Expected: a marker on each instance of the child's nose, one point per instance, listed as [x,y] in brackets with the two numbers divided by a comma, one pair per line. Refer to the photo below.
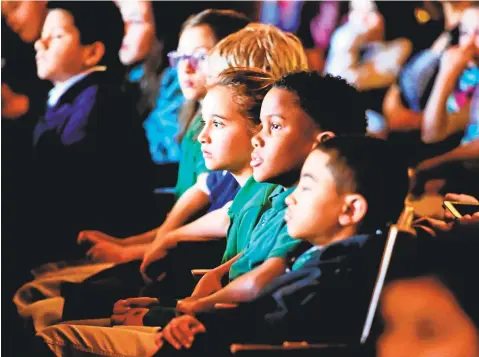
[203,136]
[290,200]
[39,45]
[257,140]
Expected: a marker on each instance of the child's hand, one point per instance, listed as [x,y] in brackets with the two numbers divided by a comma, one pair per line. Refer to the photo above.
[13,105]
[94,237]
[181,331]
[131,311]
[455,60]
[133,317]
[109,253]
[460,198]
[392,102]
[158,250]
[192,306]
[467,219]
[124,305]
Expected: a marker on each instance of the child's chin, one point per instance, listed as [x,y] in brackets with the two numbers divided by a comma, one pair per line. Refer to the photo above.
[260,176]
[291,231]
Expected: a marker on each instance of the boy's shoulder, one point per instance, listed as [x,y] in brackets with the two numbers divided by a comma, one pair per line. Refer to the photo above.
[252,194]
[95,87]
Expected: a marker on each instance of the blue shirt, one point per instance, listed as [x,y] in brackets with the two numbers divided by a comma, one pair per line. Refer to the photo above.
[223,188]
[162,125]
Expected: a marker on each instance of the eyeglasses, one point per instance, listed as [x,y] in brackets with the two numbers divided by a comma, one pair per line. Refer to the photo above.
[194,59]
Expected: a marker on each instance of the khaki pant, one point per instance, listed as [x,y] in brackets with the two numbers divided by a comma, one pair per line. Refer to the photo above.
[40,300]
[76,339]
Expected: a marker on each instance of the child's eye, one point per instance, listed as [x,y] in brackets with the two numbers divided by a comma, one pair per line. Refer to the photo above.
[218,124]
[275,126]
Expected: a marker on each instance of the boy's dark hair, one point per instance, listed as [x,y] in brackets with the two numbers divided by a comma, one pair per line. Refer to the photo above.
[221,22]
[369,166]
[330,101]
[97,21]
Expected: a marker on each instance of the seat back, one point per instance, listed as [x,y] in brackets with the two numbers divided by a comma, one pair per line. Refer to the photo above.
[403,225]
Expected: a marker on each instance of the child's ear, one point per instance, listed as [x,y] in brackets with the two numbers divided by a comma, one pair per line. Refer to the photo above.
[94,54]
[354,210]
[323,136]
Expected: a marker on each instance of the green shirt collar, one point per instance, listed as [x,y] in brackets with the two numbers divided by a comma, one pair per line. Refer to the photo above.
[244,196]
[278,197]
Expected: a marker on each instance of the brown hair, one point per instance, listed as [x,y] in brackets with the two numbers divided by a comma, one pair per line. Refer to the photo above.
[250,85]
[222,23]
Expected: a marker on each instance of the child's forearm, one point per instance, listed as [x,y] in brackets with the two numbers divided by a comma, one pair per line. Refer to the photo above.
[143,238]
[434,123]
[203,288]
[212,225]
[404,120]
[248,286]
[465,152]
[190,203]
[136,251]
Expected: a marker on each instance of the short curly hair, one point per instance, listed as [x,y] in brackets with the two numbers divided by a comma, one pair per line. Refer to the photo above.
[330,101]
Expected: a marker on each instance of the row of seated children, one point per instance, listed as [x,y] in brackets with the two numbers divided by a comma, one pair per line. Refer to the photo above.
[302,135]
[289,180]
[295,295]
[272,50]
[269,241]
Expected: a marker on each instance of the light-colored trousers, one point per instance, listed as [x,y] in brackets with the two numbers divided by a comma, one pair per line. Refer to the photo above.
[82,339]
[40,300]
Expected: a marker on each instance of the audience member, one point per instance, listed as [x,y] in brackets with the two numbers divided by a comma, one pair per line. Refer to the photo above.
[92,168]
[452,108]
[430,305]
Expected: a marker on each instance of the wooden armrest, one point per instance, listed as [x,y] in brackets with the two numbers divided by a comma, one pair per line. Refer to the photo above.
[199,272]
[286,346]
[223,306]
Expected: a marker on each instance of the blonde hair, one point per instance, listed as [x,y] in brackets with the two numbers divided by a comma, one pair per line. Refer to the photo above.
[260,46]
